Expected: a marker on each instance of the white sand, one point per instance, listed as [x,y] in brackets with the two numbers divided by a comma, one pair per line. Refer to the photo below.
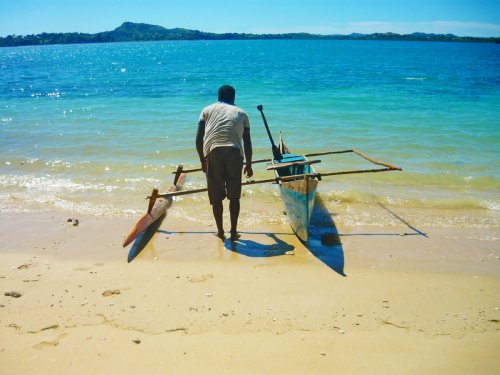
[406,305]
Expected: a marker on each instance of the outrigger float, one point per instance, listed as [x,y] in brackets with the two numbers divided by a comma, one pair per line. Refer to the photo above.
[294,174]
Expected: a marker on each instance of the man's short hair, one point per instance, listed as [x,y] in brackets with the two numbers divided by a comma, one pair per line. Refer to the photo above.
[227,93]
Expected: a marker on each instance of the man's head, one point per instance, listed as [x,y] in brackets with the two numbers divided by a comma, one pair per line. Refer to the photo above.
[227,94]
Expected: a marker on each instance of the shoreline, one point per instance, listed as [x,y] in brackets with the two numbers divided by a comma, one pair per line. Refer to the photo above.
[380,301]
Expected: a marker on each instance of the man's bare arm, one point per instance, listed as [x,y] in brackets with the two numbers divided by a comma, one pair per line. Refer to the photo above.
[247,146]
[199,144]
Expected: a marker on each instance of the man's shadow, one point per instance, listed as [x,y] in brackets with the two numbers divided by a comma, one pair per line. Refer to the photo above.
[324,241]
[257,250]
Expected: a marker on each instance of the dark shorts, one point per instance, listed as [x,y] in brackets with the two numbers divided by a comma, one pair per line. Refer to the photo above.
[224,169]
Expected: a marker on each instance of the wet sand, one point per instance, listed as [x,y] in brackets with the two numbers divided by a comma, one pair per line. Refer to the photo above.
[362,299]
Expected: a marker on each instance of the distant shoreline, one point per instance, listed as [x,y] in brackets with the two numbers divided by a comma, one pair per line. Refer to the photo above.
[140,32]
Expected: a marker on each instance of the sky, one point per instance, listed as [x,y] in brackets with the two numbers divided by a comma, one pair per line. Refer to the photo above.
[459,17]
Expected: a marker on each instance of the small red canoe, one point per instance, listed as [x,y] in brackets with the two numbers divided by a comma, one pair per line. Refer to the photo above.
[158,210]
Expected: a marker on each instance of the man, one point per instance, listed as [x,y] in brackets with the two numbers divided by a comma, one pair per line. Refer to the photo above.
[221,128]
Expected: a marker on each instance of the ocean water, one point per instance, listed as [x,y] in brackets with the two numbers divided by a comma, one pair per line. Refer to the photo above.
[92,128]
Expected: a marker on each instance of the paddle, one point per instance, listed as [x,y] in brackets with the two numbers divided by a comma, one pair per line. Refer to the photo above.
[276,152]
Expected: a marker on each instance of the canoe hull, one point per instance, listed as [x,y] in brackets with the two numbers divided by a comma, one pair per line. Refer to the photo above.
[298,193]
[298,200]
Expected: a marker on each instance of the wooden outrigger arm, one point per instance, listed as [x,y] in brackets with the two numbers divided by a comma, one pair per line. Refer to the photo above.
[388,168]
[292,163]
[359,153]
[185,192]
[178,173]
[152,200]
[285,178]
[154,194]
[199,169]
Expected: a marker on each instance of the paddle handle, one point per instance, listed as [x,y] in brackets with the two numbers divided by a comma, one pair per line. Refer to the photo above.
[261,110]
[276,153]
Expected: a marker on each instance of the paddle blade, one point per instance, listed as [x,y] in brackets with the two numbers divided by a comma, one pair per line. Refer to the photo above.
[276,153]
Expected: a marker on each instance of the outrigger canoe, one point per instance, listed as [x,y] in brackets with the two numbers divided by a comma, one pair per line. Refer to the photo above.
[295,176]
[298,181]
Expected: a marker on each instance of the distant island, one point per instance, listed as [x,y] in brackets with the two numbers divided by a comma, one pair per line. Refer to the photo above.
[141,32]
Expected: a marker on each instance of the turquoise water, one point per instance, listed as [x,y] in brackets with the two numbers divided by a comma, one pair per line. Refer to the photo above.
[91,128]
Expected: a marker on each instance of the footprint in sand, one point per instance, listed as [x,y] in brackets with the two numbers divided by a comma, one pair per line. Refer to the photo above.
[82,268]
[108,293]
[201,278]
[25,266]
[49,344]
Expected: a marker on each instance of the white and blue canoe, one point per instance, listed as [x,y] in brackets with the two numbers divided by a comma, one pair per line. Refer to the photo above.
[297,182]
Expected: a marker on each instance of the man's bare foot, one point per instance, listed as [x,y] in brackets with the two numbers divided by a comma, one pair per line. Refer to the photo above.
[220,235]
[235,236]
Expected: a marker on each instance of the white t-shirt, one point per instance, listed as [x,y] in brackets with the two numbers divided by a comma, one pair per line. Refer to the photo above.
[224,124]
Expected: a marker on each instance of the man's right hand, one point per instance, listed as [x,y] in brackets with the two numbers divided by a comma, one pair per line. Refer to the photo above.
[204,166]
[248,170]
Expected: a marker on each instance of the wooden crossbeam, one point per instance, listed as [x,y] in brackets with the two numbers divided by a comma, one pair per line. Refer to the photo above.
[284,179]
[353,150]
[292,163]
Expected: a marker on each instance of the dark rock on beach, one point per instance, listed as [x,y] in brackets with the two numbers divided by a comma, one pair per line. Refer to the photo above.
[13,294]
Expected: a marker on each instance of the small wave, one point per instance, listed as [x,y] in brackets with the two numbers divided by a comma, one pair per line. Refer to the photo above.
[51,184]
[415,78]
[490,205]
[438,202]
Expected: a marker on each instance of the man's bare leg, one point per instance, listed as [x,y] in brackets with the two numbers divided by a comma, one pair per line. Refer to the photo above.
[218,210]
[234,211]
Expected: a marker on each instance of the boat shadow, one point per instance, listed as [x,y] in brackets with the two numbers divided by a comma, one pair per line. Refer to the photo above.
[324,240]
[143,239]
[254,249]
[414,230]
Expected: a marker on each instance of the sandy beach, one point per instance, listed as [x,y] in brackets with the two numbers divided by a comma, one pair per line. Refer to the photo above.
[368,300]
